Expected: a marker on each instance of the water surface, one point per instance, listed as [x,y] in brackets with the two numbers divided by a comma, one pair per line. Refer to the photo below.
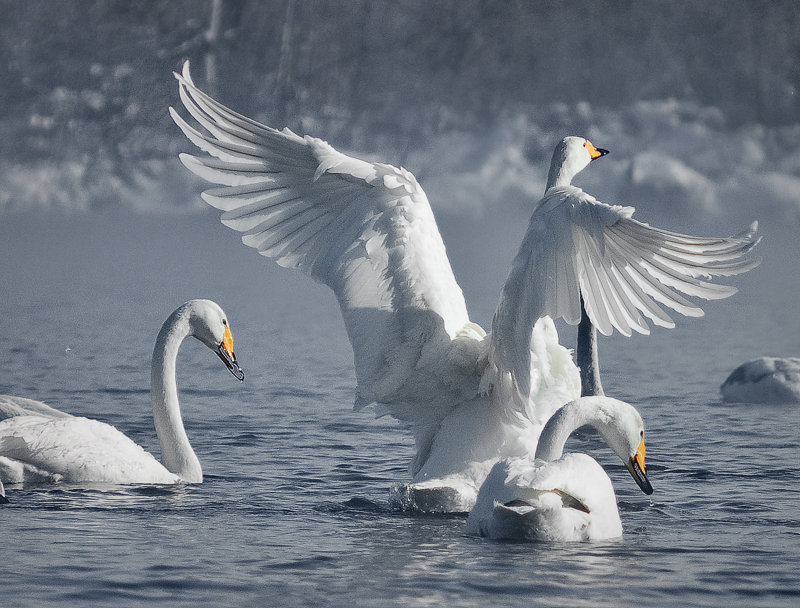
[294,508]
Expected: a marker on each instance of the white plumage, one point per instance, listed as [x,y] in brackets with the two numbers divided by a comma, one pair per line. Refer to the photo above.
[367,231]
[764,380]
[555,497]
[41,444]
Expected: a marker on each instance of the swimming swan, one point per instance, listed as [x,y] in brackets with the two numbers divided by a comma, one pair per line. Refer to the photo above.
[367,231]
[563,497]
[764,380]
[49,445]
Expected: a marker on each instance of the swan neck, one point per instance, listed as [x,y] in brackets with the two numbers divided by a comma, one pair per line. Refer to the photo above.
[558,176]
[587,358]
[177,454]
[568,419]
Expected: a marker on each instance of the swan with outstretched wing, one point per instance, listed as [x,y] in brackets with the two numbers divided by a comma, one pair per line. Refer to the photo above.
[367,231]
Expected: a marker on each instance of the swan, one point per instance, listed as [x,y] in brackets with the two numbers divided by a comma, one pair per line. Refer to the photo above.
[563,497]
[764,380]
[11,405]
[45,444]
[367,231]
[3,499]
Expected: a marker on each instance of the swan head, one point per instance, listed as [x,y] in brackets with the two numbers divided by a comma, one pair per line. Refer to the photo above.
[571,156]
[208,323]
[623,431]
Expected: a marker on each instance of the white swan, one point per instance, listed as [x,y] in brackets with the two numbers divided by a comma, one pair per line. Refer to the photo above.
[11,405]
[764,380]
[563,497]
[368,232]
[44,444]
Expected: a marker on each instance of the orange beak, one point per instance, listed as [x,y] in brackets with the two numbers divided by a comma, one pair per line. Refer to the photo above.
[640,456]
[225,352]
[227,341]
[594,152]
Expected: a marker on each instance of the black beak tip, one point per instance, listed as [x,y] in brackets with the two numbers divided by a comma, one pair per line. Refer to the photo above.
[640,477]
[603,151]
[231,364]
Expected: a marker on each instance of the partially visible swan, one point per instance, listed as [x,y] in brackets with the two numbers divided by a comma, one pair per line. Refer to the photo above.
[3,499]
[44,444]
[11,405]
[563,497]
[764,380]
[367,231]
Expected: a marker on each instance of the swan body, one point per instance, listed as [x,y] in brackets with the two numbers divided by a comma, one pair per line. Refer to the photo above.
[42,444]
[11,405]
[764,380]
[367,231]
[562,497]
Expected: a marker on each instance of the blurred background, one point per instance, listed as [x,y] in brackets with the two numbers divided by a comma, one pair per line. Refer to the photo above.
[698,101]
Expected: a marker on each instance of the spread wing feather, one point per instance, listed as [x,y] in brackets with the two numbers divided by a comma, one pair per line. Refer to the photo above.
[624,270]
[364,229]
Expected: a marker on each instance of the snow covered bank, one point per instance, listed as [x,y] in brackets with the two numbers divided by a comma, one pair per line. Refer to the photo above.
[670,159]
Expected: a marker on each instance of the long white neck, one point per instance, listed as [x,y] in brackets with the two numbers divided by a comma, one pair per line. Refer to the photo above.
[177,454]
[575,414]
[562,170]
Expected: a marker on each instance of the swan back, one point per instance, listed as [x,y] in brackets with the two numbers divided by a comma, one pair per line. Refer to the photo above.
[565,500]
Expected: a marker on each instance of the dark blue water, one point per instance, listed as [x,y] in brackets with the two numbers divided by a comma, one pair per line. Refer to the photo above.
[294,508]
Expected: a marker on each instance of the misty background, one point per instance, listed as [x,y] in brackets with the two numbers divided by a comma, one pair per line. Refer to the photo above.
[697,101]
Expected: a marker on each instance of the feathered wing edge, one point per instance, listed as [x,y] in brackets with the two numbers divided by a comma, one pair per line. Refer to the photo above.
[641,269]
[626,271]
[364,229]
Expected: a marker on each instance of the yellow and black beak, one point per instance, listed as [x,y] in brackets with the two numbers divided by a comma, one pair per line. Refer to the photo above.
[635,467]
[225,352]
[595,153]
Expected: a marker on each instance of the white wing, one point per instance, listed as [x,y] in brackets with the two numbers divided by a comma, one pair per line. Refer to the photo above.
[364,229]
[624,270]
[11,406]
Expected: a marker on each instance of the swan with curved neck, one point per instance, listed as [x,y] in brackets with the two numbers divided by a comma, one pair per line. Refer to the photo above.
[43,444]
[367,231]
[558,496]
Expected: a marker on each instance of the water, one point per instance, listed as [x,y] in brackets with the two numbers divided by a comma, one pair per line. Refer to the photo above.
[294,508]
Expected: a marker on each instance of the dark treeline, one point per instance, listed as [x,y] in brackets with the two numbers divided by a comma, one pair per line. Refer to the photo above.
[81,75]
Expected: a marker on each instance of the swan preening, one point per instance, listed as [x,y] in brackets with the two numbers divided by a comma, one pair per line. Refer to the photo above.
[367,231]
[39,443]
[764,380]
[557,496]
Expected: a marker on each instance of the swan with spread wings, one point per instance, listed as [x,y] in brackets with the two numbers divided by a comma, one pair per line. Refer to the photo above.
[367,231]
